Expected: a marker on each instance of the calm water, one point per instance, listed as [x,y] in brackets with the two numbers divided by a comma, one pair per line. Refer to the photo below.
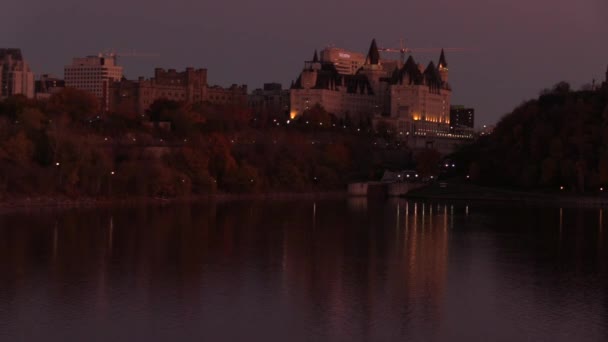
[339,270]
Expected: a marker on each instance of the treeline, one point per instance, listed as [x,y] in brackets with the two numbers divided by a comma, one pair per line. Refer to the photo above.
[63,146]
[558,140]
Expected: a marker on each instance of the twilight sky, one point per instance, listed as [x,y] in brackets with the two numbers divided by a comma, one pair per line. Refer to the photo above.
[521,46]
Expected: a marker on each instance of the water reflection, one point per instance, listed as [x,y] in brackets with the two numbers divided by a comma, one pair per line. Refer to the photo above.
[298,270]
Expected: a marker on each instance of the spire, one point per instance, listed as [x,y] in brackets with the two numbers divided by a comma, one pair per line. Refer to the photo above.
[315,58]
[373,56]
[442,62]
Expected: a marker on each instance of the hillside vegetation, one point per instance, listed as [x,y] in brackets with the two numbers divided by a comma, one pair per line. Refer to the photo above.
[558,140]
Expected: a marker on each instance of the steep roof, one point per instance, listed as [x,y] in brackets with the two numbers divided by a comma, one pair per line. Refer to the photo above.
[432,77]
[14,53]
[442,61]
[373,56]
[409,69]
[315,57]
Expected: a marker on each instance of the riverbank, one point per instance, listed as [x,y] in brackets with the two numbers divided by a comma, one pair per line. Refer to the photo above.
[469,192]
[43,202]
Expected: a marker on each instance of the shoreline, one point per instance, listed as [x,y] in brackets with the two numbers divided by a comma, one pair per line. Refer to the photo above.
[467,192]
[54,203]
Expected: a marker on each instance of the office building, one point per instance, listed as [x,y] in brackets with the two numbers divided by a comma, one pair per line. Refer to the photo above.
[16,77]
[94,74]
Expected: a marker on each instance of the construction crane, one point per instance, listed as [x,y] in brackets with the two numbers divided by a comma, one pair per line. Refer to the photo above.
[114,55]
[403,50]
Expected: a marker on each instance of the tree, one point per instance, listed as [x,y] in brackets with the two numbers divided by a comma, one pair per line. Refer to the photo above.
[427,162]
[76,104]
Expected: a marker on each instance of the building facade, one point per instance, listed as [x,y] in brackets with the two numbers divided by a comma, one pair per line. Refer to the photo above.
[416,100]
[94,74]
[16,77]
[48,85]
[346,62]
[460,116]
[189,86]
[272,99]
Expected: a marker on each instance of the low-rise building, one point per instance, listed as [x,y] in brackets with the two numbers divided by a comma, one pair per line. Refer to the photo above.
[48,85]
[272,99]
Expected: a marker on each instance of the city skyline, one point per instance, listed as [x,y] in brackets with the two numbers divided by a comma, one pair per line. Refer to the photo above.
[252,44]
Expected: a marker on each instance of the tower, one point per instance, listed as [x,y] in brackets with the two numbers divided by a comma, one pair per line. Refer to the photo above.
[443,67]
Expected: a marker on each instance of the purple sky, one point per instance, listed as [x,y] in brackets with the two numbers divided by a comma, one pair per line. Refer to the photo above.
[522,46]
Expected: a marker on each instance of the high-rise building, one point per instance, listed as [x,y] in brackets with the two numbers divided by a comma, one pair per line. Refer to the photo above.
[94,74]
[346,62]
[16,77]
[460,116]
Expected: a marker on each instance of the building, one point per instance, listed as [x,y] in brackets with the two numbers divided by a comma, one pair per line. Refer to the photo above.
[272,99]
[346,62]
[234,95]
[16,77]
[460,116]
[415,99]
[189,86]
[48,85]
[94,74]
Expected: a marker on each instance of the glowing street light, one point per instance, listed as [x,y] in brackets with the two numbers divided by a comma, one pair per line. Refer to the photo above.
[561,187]
[57,164]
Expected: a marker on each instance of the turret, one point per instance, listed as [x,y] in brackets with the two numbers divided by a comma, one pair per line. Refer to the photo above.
[443,67]
[373,56]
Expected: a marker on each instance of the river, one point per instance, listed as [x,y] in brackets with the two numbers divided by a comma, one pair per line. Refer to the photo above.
[305,270]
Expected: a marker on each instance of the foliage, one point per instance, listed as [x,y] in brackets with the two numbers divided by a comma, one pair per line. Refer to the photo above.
[559,139]
[66,147]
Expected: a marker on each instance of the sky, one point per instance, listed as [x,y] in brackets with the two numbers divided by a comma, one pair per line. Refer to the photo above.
[517,48]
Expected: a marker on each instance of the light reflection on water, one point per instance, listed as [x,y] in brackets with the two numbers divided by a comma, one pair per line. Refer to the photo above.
[329,270]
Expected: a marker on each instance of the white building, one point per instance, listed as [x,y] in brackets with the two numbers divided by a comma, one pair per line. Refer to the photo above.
[16,77]
[346,62]
[94,74]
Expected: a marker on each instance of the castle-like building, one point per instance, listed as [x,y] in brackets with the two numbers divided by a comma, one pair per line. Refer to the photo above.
[415,99]
[189,86]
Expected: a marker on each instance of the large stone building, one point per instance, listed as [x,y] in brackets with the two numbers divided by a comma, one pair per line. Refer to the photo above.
[94,74]
[415,99]
[189,86]
[16,77]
